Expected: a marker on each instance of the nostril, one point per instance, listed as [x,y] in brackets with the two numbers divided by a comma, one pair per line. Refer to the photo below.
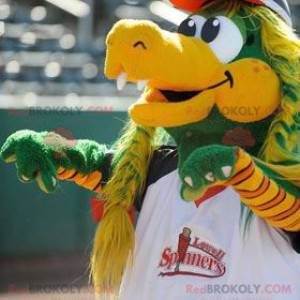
[140,44]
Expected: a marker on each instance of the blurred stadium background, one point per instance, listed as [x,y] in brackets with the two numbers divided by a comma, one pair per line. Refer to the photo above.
[51,69]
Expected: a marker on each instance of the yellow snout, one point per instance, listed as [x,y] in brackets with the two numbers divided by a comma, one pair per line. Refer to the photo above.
[145,52]
[184,77]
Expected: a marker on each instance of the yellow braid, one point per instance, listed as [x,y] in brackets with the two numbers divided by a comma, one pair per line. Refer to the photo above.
[114,239]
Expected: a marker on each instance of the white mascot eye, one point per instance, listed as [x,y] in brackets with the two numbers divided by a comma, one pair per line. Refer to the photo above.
[223,37]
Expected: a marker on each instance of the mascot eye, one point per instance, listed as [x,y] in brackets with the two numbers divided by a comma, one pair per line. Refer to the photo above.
[191,26]
[210,30]
[223,37]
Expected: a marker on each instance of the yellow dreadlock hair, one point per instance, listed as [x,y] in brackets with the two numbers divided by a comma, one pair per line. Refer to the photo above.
[114,239]
[281,151]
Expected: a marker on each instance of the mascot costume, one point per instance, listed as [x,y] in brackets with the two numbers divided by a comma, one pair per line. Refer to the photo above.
[222,206]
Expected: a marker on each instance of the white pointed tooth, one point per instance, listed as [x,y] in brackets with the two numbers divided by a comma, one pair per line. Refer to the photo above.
[25,178]
[210,177]
[54,181]
[227,170]
[141,84]
[189,181]
[122,81]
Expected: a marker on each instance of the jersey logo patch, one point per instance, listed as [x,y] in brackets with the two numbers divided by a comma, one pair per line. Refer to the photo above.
[194,257]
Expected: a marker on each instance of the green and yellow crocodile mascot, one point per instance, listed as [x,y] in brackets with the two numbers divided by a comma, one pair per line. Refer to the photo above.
[226,88]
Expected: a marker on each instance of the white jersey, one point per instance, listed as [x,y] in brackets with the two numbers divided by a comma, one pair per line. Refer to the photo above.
[185,252]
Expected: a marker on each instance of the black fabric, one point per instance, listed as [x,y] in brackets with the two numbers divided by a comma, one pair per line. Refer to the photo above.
[105,167]
[295,240]
[163,162]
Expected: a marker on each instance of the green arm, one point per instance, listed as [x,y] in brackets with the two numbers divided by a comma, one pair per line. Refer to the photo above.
[40,155]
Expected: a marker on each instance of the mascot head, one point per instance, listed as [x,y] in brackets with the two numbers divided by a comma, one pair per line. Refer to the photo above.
[231,64]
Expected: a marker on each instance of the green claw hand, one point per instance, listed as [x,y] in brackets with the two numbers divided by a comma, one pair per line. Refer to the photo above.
[39,155]
[32,156]
[204,167]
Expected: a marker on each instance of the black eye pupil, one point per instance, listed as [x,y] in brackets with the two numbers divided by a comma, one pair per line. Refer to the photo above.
[188,27]
[210,30]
